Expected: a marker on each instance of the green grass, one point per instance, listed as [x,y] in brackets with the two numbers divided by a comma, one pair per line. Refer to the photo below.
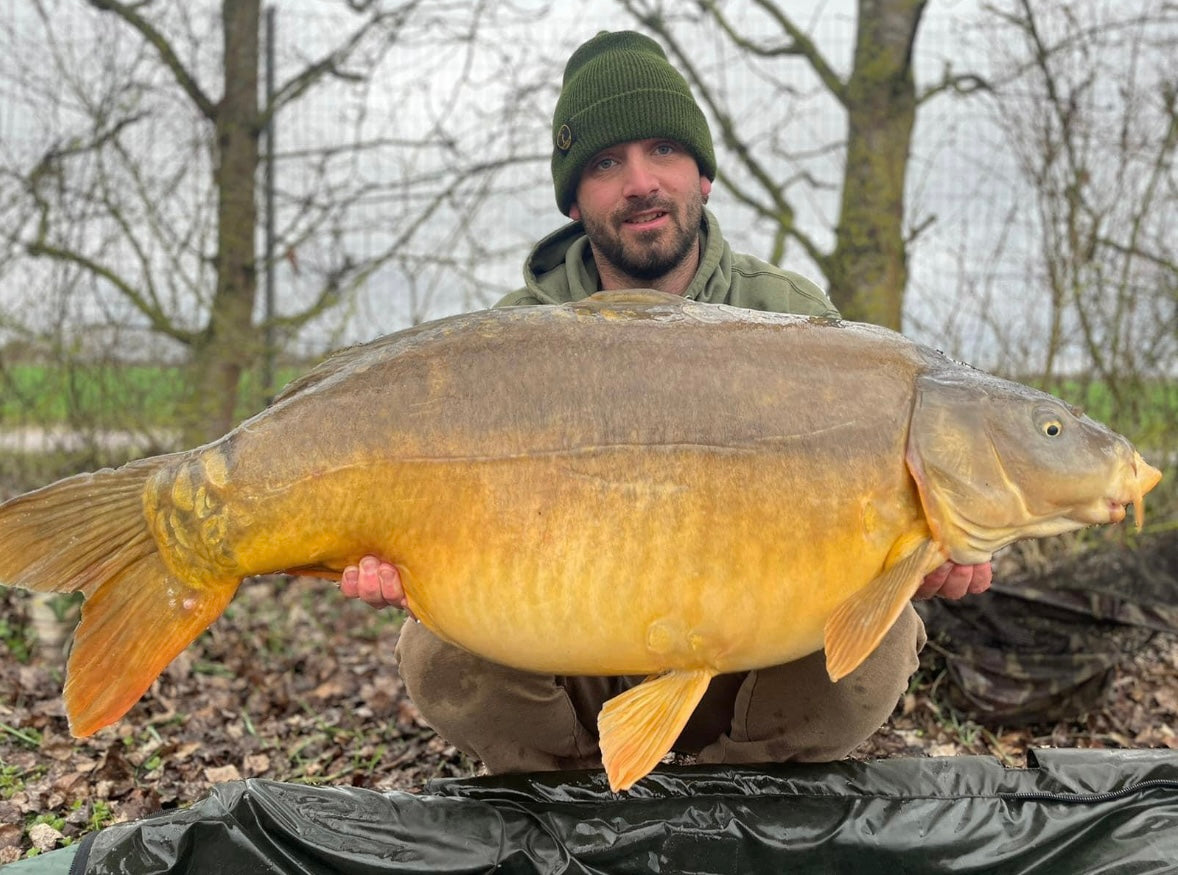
[49,395]
[17,639]
[1146,411]
[105,395]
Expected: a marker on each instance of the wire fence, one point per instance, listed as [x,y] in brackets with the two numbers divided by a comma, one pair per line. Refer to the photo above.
[426,156]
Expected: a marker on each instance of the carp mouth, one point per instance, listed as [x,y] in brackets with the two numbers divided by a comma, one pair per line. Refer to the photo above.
[1140,478]
[1117,513]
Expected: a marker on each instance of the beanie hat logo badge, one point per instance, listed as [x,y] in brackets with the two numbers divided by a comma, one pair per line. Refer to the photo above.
[564,138]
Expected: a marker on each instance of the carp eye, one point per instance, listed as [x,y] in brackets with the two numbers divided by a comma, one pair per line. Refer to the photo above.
[1049,419]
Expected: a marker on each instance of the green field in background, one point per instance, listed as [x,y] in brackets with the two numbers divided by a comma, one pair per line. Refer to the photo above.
[115,396]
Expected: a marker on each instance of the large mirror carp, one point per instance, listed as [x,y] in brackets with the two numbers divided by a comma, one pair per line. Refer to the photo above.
[629,484]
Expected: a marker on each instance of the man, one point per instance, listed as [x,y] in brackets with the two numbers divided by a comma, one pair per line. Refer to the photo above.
[633,165]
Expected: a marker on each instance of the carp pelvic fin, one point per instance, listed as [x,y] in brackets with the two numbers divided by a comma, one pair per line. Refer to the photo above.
[638,727]
[858,625]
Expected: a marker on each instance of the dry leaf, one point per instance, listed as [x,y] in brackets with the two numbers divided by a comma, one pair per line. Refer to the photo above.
[44,837]
[221,774]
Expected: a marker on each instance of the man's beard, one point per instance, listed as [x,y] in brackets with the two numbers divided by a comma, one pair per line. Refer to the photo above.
[647,259]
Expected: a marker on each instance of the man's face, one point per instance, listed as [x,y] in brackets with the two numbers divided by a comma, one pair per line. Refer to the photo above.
[641,203]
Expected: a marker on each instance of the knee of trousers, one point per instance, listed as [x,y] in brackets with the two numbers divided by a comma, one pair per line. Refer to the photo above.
[448,685]
[512,720]
[856,706]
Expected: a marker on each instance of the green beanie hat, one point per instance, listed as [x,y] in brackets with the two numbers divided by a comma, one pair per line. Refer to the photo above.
[620,87]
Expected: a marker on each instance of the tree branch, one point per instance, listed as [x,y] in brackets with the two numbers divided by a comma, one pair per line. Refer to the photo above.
[799,45]
[157,40]
[963,84]
[332,63]
[158,320]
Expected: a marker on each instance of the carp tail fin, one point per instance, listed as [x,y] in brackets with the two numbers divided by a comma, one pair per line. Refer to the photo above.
[858,625]
[638,727]
[88,534]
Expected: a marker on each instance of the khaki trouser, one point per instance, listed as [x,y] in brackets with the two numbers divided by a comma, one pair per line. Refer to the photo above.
[519,722]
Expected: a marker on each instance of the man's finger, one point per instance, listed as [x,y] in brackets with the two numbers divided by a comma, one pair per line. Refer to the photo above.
[933,581]
[347,581]
[983,576]
[368,587]
[957,582]
[391,589]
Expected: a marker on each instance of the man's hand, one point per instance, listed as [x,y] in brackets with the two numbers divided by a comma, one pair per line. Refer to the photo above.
[374,582]
[953,581]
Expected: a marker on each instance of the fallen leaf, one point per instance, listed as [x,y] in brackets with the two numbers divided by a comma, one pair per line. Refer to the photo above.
[10,835]
[221,774]
[44,837]
[1167,699]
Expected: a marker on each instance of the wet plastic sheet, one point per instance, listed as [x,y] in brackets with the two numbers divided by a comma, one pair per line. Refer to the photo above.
[1073,812]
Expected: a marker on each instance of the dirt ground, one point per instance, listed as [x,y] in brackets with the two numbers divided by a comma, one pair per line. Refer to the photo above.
[295,683]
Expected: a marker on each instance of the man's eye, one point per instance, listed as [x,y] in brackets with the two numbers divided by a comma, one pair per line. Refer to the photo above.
[604,163]
[664,149]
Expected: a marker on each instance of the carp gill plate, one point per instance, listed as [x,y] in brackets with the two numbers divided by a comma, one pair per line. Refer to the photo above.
[629,484]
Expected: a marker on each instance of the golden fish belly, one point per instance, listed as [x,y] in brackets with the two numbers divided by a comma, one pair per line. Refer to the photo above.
[632,560]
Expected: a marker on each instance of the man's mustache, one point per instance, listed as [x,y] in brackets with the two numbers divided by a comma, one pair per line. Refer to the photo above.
[637,208]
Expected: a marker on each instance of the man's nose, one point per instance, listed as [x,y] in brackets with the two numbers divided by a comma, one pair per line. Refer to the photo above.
[639,179]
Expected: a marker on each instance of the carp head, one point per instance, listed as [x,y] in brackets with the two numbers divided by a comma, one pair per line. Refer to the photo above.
[996,462]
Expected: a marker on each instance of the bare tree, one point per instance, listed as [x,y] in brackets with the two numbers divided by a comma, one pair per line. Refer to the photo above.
[1089,106]
[865,262]
[146,182]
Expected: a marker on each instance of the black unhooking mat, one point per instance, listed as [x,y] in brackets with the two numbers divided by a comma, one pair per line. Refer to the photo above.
[1070,812]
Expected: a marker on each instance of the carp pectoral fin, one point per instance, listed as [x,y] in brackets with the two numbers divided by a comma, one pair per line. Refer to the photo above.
[638,727]
[858,625]
[131,628]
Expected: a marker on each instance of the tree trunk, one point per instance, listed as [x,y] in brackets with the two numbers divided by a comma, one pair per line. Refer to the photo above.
[868,268]
[229,345]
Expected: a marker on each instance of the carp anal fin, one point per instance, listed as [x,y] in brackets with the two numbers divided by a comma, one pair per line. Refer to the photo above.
[131,628]
[638,727]
[858,625]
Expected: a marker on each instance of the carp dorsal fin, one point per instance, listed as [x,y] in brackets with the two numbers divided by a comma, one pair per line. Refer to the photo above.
[637,728]
[333,364]
[615,297]
[858,625]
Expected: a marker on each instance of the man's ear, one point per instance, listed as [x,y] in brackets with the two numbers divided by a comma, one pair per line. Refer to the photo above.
[705,186]
[574,212]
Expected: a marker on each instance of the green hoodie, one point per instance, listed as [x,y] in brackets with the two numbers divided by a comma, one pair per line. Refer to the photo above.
[561,269]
